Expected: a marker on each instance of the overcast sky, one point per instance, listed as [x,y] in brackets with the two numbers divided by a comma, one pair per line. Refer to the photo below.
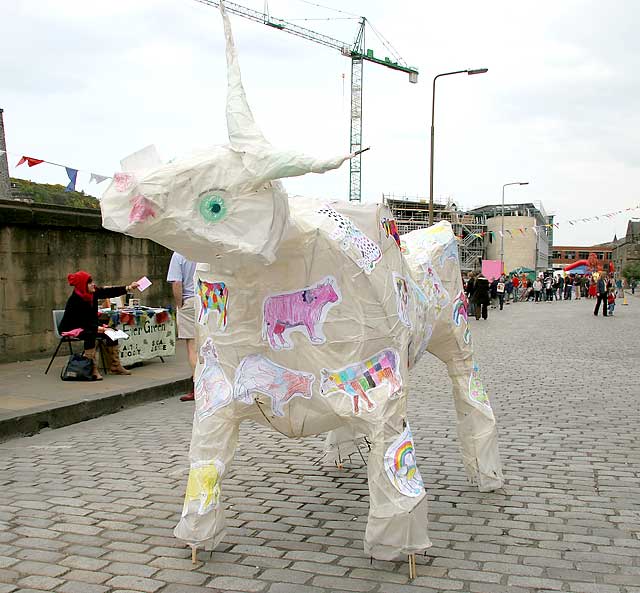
[84,83]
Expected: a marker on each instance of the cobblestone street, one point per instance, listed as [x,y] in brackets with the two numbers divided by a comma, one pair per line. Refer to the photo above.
[90,508]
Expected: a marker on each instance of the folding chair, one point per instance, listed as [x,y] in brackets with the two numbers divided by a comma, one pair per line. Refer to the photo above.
[57,318]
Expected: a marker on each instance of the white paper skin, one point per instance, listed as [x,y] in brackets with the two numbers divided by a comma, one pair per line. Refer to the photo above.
[226,209]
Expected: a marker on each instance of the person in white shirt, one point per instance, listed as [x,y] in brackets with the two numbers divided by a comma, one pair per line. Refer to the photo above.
[181,275]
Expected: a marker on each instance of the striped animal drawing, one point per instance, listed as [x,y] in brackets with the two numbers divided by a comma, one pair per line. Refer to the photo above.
[258,374]
[214,296]
[356,379]
[302,310]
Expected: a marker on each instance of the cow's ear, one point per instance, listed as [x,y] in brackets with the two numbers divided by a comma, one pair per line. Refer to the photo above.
[324,373]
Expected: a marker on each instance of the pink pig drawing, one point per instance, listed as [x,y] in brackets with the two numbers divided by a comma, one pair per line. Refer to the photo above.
[302,310]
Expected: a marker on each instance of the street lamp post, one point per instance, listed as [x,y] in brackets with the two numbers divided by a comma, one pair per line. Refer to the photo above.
[433,109]
[502,221]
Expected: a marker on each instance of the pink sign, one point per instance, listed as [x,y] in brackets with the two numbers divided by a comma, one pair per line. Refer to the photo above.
[491,268]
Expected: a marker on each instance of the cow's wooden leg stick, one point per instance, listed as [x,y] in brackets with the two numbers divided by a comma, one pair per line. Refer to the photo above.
[412,566]
[194,554]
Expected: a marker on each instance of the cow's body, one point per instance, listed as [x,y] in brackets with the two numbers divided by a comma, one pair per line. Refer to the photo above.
[308,285]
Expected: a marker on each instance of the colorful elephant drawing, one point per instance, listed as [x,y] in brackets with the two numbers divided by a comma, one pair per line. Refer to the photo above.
[214,296]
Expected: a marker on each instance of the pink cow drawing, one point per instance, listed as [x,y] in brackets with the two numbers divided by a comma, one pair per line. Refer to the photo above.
[257,373]
[301,310]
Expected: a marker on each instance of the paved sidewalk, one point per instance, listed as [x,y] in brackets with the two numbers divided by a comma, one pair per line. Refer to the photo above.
[31,400]
[90,508]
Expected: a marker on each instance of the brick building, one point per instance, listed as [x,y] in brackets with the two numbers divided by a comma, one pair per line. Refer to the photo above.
[563,255]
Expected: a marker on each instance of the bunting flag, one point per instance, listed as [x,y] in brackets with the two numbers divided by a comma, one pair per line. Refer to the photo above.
[73,174]
[30,161]
[98,178]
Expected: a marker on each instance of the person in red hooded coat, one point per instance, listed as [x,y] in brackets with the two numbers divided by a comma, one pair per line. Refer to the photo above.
[81,312]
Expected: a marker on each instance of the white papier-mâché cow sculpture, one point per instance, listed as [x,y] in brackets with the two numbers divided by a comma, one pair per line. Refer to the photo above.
[309,318]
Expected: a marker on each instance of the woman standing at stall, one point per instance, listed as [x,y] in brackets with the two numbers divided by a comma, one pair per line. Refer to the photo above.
[81,312]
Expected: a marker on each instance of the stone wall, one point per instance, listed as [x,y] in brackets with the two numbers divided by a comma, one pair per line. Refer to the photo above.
[39,245]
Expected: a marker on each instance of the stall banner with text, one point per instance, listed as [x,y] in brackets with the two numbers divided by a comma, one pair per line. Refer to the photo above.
[148,340]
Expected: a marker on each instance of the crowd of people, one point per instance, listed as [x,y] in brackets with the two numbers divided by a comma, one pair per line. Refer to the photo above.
[494,293]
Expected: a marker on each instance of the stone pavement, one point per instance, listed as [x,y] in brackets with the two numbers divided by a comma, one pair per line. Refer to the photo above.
[90,508]
[31,400]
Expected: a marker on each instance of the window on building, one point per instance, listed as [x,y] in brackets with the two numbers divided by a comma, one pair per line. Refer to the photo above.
[556,254]
[570,255]
[607,255]
[583,255]
[600,255]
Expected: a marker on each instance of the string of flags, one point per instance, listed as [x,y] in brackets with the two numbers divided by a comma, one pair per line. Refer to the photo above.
[72,173]
[522,231]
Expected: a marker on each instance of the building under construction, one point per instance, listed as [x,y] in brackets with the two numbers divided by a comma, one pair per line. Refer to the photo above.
[412,213]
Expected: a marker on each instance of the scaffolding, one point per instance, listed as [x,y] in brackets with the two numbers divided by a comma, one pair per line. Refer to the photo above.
[412,213]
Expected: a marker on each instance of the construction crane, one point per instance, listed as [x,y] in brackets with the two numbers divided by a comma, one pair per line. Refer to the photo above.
[358,54]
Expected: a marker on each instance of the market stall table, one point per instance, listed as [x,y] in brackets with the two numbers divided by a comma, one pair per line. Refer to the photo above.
[151,331]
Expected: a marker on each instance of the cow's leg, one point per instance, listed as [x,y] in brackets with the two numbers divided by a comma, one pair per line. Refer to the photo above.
[477,432]
[202,524]
[363,394]
[279,332]
[270,336]
[369,403]
[397,523]
[277,405]
[355,400]
[311,330]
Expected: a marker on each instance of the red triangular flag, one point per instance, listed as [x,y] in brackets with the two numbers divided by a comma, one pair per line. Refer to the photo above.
[31,162]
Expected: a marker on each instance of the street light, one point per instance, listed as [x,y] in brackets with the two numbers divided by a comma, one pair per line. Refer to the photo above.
[433,107]
[502,222]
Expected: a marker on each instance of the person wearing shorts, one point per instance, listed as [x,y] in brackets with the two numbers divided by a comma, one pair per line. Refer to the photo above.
[181,275]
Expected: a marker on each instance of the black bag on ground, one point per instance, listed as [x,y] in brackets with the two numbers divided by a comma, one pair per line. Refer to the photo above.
[78,368]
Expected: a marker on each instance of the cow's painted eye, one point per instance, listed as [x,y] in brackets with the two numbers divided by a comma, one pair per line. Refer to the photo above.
[212,207]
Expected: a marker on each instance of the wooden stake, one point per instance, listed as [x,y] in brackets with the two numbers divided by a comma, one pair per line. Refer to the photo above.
[194,554]
[412,566]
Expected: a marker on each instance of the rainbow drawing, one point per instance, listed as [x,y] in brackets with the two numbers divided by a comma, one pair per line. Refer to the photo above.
[400,465]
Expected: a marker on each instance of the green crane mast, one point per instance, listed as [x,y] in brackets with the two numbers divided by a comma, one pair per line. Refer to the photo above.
[358,54]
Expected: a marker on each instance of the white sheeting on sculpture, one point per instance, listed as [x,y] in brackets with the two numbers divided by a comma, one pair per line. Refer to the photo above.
[317,339]
[433,303]
[432,255]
